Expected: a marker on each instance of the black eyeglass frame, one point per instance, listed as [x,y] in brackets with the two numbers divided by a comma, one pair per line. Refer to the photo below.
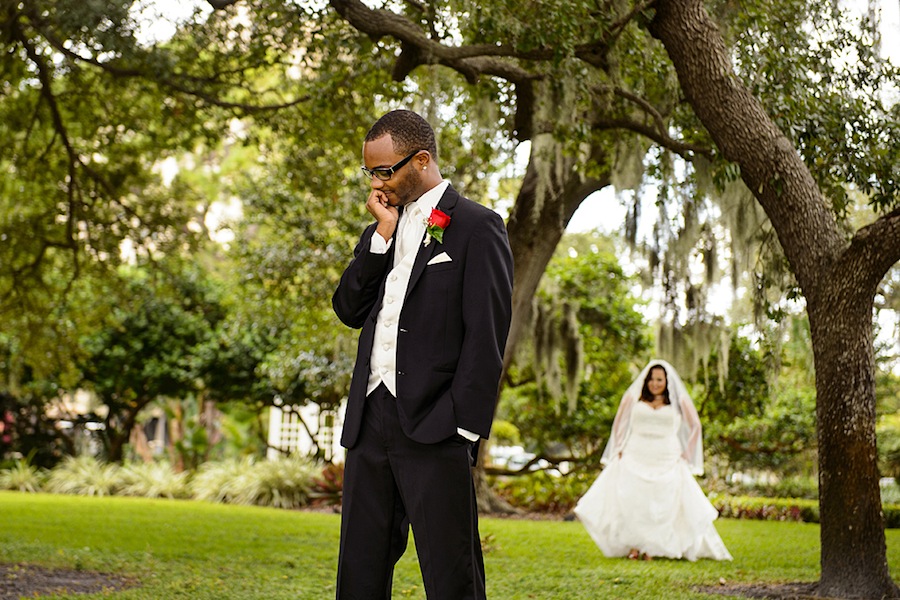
[385,173]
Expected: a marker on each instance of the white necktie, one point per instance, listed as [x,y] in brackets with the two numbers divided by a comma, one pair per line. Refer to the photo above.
[406,231]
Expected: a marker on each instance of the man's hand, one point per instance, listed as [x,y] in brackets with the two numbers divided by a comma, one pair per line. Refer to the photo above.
[386,215]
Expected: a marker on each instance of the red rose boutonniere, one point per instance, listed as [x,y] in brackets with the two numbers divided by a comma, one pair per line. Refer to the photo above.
[435,226]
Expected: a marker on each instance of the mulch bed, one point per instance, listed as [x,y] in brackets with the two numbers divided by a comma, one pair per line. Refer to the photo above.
[771,591]
[32,581]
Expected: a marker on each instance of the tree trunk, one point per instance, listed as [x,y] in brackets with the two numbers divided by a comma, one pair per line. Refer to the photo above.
[838,280]
[854,560]
[116,438]
[489,502]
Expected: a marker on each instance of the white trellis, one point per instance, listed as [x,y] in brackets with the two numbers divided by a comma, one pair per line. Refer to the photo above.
[299,429]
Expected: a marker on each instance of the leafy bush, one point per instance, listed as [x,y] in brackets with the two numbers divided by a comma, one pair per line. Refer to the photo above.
[891,516]
[888,437]
[890,492]
[767,509]
[84,476]
[504,433]
[542,492]
[328,487]
[22,477]
[153,480]
[787,487]
[786,509]
[217,481]
[283,483]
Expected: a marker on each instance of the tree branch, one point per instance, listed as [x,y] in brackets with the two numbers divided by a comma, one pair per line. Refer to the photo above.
[619,26]
[221,4]
[417,49]
[683,149]
[168,82]
[60,128]
[876,247]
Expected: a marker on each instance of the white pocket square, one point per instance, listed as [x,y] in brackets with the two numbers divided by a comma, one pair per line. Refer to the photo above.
[440,258]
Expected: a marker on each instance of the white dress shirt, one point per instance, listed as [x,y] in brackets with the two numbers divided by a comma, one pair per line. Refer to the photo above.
[410,238]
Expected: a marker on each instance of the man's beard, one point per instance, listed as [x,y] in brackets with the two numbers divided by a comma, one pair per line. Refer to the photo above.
[409,190]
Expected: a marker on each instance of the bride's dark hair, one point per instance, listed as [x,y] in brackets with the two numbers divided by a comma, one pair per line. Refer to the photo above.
[646,396]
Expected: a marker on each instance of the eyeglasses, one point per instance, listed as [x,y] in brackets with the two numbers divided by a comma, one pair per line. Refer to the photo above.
[384,173]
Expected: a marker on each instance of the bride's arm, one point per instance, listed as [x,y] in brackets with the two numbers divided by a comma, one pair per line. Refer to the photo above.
[693,449]
[622,424]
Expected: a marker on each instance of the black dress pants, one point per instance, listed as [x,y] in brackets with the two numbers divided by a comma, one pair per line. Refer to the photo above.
[392,483]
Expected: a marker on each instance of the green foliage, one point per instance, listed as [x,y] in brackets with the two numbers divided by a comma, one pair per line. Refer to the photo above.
[282,483]
[27,428]
[762,416]
[779,439]
[829,94]
[542,492]
[152,480]
[217,482]
[285,483]
[504,433]
[745,389]
[288,483]
[888,438]
[612,338]
[786,487]
[767,509]
[84,476]
[22,477]
[150,347]
[786,509]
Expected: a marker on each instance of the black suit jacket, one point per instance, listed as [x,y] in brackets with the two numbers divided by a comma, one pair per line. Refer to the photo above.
[452,328]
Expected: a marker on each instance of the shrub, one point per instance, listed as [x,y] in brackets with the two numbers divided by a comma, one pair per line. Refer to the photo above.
[767,509]
[542,492]
[84,476]
[153,480]
[22,477]
[285,483]
[890,492]
[328,487]
[217,481]
[891,516]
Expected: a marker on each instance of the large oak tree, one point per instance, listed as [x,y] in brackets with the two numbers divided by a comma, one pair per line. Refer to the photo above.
[588,84]
[838,275]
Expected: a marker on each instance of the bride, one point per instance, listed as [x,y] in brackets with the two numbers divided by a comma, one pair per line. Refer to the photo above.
[646,502]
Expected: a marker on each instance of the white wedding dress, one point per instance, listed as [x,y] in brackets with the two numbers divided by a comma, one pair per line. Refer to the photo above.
[648,499]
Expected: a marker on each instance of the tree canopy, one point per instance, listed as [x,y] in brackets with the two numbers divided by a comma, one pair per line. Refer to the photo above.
[764,148]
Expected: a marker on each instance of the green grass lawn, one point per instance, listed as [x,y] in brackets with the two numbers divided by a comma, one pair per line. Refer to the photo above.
[183,549]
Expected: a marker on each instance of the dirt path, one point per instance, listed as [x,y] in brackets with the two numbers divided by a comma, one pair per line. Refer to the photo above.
[32,581]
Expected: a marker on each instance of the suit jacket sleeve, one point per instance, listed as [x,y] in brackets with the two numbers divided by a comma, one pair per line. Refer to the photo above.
[358,290]
[486,310]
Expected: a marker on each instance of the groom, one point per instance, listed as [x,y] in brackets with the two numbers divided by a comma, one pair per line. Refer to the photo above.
[430,284]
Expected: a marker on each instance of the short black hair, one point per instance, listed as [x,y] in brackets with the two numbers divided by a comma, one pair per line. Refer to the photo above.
[409,132]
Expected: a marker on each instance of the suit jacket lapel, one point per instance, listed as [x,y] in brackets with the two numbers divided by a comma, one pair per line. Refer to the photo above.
[447,203]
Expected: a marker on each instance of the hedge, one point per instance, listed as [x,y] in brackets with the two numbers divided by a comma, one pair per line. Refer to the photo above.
[785,509]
